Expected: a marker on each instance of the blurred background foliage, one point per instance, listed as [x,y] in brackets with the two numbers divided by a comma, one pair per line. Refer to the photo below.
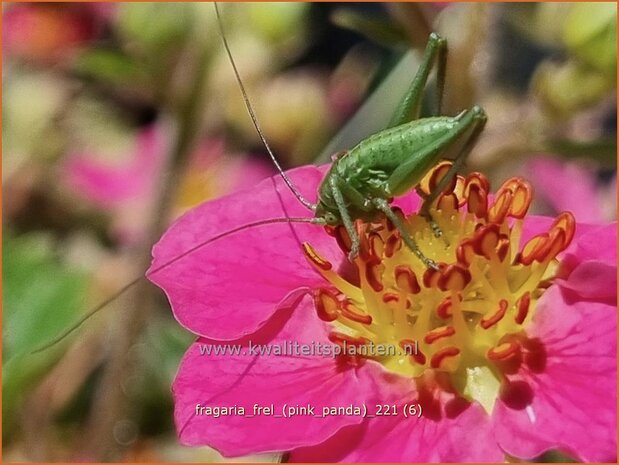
[117,118]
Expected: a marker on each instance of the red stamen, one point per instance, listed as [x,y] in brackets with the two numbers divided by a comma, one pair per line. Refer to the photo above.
[393,244]
[374,274]
[341,338]
[343,239]
[447,352]
[431,277]
[326,304]
[376,245]
[439,333]
[486,240]
[454,278]
[314,258]
[504,351]
[501,207]
[522,304]
[465,252]
[536,248]
[406,280]
[412,348]
[353,313]
[489,321]
[448,202]
[444,308]
[477,201]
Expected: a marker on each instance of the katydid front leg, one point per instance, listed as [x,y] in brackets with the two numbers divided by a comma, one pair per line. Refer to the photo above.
[383,205]
[346,218]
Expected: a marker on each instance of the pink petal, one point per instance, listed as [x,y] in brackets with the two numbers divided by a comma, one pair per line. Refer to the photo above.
[566,186]
[460,433]
[245,380]
[589,267]
[566,397]
[231,287]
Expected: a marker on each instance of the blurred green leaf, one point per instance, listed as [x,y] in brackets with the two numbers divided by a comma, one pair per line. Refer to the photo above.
[107,65]
[376,112]
[40,299]
[590,32]
[603,150]
[155,25]
[378,30]
[277,21]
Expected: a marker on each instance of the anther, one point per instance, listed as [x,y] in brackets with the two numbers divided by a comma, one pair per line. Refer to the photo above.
[444,308]
[447,202]
[465,252]
[503,351]
[441,355]
[439,333]
[486,240]
[477,201]
[326,304]
[438,174]
[376,245]
[406,280]
[431,277]
[522,305]
[476,179]
[567,223]
[454,278]
[343,239]
[412,348]
[535,249]
[373,274]
[501,207]
[488,321]
[314,258]
[522,194]
[393,244]
[430,181]
[353,313]
[344,339]
[393,298]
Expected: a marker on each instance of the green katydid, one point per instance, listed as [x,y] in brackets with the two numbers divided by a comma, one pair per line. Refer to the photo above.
[362,181]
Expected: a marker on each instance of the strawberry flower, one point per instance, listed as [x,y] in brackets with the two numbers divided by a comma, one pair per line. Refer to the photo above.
[514,335]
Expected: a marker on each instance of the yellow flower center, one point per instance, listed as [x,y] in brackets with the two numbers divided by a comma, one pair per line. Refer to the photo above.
[465,319]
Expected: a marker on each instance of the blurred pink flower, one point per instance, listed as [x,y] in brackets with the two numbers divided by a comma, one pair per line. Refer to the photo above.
[128,188]
[531,367]
[50,32]
[110,185]
[572,186]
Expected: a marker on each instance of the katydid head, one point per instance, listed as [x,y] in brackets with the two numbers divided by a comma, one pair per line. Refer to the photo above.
[327,215]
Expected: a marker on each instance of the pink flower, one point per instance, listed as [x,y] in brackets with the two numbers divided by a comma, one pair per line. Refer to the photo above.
[572,186]
[510,360]
[128,188]
[110,185]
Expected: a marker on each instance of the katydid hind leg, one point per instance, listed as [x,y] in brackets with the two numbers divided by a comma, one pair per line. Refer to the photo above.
[477,126]
[411,171]
[410,107]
